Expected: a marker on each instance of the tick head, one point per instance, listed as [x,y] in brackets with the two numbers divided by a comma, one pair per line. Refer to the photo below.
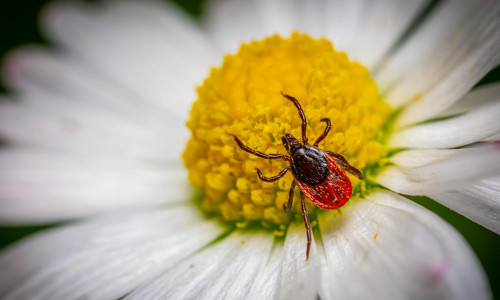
[293,143]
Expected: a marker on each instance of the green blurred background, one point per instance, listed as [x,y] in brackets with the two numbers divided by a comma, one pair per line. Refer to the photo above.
[19,25]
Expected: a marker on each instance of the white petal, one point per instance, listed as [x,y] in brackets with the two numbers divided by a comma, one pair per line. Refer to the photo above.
[452,50]
[479,202]
[478,97]
[79,129]
[232,22]
[442,171]
[352,26]
[224,270]
[419,158]
[379,24]
[38,187]
[493,138]
[265,286]
[46,78]
[474,126]
[390,248]
[103,258]
[149,48]
[298,278]
[454,86]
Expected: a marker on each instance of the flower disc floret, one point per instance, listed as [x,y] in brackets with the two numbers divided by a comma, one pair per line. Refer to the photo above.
[243,97]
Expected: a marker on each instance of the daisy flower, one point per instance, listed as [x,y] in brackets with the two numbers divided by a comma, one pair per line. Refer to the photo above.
[149,208]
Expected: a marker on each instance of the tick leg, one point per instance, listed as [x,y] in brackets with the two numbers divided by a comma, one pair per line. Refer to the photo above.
[274,178]
[290,197]
[337,156]
[301,114]
[306,222]
[260,154]
[343,162]
[285,144]
[325,133]
[350,169]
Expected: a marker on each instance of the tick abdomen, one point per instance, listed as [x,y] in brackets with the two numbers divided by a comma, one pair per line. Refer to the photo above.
[309,165]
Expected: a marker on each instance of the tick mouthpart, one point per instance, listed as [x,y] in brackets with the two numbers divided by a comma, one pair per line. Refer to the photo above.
[292,143]
[294,148]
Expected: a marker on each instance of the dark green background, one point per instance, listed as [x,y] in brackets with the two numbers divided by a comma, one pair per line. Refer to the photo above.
[18,25]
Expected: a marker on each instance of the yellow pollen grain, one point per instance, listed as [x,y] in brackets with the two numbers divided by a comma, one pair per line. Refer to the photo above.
[243,97]
[416,97]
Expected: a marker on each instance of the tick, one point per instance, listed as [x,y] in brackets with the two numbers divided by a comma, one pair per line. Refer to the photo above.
[319,174]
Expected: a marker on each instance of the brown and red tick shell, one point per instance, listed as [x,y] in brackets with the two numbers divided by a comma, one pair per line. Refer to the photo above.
[333,192]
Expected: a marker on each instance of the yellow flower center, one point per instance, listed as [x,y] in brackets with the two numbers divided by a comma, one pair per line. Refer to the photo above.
[243,97]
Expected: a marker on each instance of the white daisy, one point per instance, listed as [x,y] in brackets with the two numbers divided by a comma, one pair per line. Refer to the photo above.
[96,129]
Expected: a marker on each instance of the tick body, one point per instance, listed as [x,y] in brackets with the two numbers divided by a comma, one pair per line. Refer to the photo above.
[310,166]
[319,174]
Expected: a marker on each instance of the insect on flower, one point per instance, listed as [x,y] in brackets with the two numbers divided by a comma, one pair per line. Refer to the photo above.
[319,174]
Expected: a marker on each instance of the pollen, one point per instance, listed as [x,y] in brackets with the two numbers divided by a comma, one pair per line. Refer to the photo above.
[243,98]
